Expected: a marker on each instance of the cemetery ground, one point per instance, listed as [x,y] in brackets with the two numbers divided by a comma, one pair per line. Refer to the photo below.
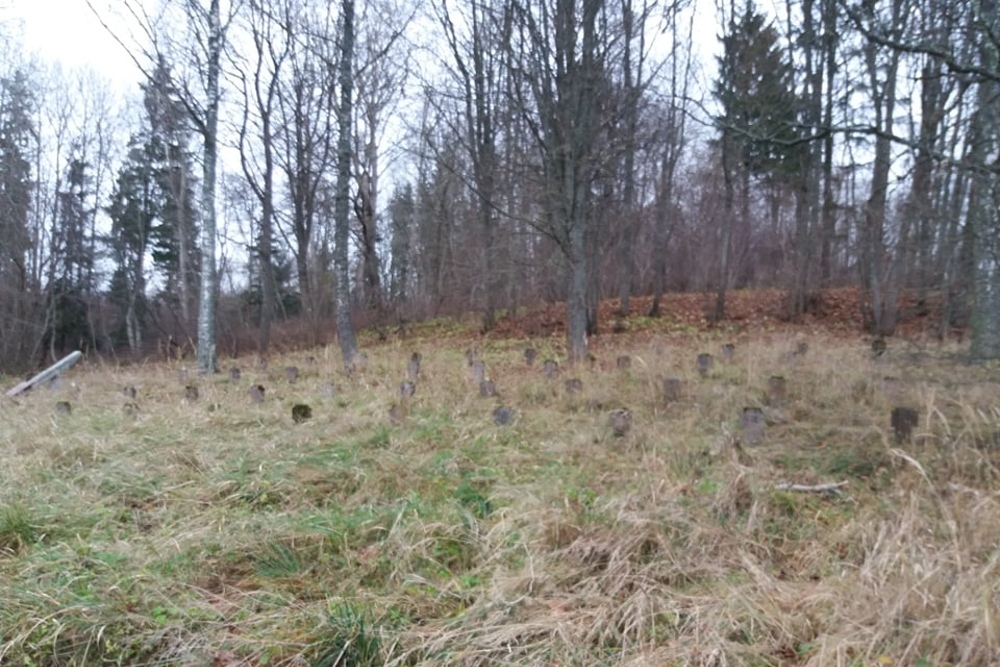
[770,509]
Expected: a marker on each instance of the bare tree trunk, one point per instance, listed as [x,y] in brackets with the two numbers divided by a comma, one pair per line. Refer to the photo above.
[480,84]
[878,266]
[207,359]
[184,269]
[631,101]
[268,285]
[726,225]
[807,193]
[576,303]
[262,94]
[664,226]
[920,206]
[828,223]
[559,50]
[674,145]
[345,325]
[984,204]
[364,209]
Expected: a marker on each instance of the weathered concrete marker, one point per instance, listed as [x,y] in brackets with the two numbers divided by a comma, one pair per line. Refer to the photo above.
[52,371]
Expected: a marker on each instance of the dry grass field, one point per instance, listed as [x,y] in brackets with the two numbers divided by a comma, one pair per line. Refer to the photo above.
[171,530]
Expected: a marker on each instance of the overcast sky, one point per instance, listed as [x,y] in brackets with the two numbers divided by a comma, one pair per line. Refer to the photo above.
[67,31]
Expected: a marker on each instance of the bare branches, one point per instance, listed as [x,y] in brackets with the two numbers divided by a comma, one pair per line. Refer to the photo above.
[142,56]
[945,55]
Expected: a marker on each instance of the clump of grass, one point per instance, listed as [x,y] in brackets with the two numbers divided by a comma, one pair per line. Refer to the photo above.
[347,639]
[17,531]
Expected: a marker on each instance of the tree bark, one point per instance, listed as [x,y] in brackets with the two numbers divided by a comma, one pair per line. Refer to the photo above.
[628,224]
[345,325]
[726,225]
[879,270]
[207,359]
[984,202]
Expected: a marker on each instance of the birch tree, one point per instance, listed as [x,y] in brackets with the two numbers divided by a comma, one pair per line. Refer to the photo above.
[345,325]
[190,36]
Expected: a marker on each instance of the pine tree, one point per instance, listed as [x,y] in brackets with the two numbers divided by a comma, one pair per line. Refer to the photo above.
[17,132]
[755,90]
[72,263]
[136,206]
[757,122]
[174,236]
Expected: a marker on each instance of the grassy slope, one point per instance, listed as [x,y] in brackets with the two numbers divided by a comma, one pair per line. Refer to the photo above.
[219,532]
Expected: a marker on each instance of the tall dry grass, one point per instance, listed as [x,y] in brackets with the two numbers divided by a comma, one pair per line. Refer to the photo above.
[217,531]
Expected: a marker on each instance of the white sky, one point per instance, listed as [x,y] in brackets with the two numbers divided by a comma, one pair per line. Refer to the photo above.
[67,31]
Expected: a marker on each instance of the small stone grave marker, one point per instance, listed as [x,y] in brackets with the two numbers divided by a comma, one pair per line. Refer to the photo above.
[892,388]
[478,371]
[752,421]
[672,389]
[503,416]
[704,364]
[903,421]
[620,422]
[396,414]
[777,390]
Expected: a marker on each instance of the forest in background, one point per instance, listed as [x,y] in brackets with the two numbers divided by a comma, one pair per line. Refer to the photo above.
[382,163]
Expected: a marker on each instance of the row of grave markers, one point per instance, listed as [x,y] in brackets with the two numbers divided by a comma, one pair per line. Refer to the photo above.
[903,420]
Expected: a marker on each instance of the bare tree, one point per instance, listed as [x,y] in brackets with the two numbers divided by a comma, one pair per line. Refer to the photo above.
[672,137]
[306,147]
[380,75]
[477,67]
[195,48]
[206,119]
[271,47]
[879,271]
[345,324]
[984,199]
[633,59]
[555,49]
